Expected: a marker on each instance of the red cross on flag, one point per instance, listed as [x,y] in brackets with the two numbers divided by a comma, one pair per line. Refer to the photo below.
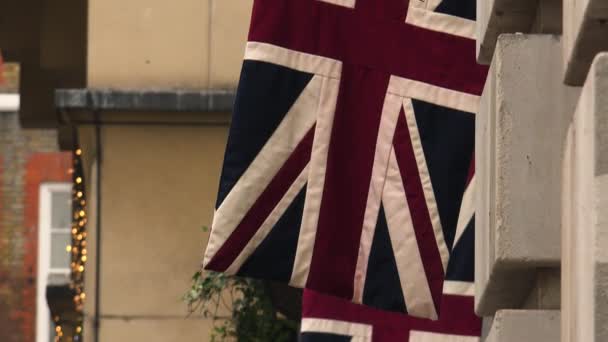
[350,149]
[331,319]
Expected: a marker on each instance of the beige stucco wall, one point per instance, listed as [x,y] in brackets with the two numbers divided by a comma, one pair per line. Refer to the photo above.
[166,44]
[158,182]
[158,189]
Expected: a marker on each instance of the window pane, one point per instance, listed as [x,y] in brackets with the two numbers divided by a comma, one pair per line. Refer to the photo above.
[60,258]
[61,210]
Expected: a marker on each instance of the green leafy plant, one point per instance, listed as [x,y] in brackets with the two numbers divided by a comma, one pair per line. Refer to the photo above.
[251,316]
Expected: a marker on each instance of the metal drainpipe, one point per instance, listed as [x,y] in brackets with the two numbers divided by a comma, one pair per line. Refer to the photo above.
[98,143]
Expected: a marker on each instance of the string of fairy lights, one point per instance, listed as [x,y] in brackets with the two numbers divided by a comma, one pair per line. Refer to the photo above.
[78,251]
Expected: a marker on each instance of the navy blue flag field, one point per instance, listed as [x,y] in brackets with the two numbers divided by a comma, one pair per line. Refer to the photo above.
[350,150]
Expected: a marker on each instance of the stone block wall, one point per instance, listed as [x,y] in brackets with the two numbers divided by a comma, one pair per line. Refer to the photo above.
[585,214]
[520,126]
[541,151]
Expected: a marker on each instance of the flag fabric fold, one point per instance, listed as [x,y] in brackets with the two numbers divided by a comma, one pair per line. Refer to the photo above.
[350,149]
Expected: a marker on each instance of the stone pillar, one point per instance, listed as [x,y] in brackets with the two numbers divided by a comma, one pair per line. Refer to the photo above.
[585,25]
[520,126]
[524,326]
[585,224]
[528,160]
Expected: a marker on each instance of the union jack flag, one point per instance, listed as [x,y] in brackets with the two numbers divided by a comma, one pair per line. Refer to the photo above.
[350,149]
[330,319]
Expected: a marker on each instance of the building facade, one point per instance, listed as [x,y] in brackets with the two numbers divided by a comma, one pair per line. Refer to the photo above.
[540,154]
[151,124]
[35,186]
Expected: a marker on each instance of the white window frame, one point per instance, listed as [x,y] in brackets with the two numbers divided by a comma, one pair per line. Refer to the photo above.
[43,314]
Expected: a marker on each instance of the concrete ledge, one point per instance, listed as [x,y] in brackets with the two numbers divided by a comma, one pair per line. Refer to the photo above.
[585,214]
[585,35]
[520,127]
[525,326]
[495,17]
[85,106]
[146,100]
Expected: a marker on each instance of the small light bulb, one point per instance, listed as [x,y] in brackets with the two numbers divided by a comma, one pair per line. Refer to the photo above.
[78,180]
[78,152]
[68,248]
[84,258]
[81,268]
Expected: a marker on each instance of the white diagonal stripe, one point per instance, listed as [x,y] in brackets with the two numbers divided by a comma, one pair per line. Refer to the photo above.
[440,22]
[467,210]
[345,3]
[390,113]
[316,182]
[363,332]
[290,132]
[458,288]
[427,185]
[295,60]
[433,94]
[425,336]
[412,275]
[270,222]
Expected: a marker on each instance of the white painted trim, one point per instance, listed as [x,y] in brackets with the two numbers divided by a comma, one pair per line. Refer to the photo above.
[425,336]
[440,22]
[433,94]
[9,102]
[296,124]
[344,3]
[360,332]
[458,288]
[295,60]
[43,316]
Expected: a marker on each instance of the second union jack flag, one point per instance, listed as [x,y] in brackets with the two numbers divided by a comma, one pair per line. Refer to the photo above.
[350,149]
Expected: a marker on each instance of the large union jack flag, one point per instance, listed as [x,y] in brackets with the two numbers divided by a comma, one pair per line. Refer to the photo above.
[350,149]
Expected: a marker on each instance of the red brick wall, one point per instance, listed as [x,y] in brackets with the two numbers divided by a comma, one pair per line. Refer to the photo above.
[27,158]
